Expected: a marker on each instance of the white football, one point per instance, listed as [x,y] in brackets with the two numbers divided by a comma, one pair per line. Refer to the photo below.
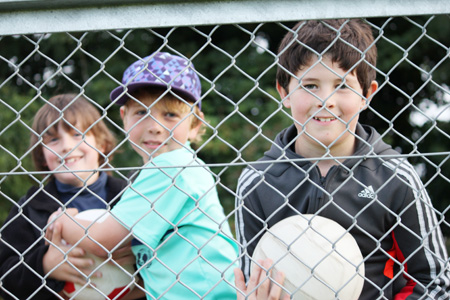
[115,282]
[319,258]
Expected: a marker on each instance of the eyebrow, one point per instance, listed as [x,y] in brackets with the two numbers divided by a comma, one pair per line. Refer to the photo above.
[345,78]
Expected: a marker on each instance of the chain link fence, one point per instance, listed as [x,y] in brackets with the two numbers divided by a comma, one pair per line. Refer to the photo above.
[236,60]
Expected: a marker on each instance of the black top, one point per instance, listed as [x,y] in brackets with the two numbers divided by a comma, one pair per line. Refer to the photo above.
[376,194]
[22,244]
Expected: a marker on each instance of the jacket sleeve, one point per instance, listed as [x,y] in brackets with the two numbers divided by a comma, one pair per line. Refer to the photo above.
[420,244]
[22,249]
[249,219]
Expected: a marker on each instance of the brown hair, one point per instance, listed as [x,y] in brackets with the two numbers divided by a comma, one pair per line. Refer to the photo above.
[73,112]
[346,42]
[171,103]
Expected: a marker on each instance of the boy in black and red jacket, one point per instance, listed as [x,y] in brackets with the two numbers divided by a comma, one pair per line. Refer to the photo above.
[330,165]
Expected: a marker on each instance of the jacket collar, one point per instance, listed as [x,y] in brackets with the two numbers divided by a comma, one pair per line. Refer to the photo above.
[368,142]
[46,198]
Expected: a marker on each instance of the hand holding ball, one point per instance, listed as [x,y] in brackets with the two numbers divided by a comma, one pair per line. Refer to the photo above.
[115,280]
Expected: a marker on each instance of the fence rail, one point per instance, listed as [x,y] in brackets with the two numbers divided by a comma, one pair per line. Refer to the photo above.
[41,16]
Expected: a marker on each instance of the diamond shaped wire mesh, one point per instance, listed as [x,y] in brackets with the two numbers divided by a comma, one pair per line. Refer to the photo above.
[237,66]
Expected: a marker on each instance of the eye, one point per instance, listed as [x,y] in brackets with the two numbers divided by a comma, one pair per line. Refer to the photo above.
[49,139]
[170,115]
[76,133]
[141,112]
[341,86]
[309,86]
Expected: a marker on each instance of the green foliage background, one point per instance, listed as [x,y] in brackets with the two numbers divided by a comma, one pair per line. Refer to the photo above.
[240,100]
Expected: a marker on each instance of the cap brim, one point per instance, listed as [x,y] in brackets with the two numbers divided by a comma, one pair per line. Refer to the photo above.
[119,96]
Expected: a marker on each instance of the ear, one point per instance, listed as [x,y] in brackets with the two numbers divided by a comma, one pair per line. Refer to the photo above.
[193,132]
[101,148]
[122,113]
[372,89]
[282,92]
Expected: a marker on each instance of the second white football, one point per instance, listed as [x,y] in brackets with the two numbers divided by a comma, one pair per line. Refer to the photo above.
[319,258]
[116,281]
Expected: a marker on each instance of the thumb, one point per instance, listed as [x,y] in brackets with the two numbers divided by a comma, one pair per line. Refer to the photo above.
[59,242]
[239,282]
[56,236]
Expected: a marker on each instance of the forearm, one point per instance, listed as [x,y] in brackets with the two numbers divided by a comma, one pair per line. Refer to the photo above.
[247,229]
[427,274]
[424,252]
[98,238]
[78,233]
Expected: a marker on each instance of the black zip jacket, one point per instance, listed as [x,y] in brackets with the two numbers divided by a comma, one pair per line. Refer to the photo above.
[22,244]
[376,194]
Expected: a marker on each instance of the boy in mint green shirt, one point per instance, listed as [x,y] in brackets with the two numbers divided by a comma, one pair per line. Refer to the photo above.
[180,236]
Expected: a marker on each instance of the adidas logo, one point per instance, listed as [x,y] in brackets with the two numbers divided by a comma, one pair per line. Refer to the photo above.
[367,193]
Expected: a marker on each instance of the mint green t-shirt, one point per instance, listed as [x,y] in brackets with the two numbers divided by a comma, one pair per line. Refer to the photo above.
[184,247]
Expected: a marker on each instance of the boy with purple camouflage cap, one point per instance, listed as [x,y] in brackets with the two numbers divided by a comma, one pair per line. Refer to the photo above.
[182,242]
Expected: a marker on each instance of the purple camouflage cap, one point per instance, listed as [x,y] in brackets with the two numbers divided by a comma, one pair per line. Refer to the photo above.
[161,69]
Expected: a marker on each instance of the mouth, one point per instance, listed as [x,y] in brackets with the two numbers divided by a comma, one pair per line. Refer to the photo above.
[153,144]
[324,119]
[69,160]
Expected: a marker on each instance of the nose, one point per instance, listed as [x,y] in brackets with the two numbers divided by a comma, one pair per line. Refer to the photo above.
[68,143]
[153,125]
[327,98]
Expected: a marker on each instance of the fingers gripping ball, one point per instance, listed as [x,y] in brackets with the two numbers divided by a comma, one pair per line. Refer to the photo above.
[319,258]
[115,280]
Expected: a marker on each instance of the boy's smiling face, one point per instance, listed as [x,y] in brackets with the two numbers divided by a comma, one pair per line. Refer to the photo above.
[69,150]
[325,102]
[159,129]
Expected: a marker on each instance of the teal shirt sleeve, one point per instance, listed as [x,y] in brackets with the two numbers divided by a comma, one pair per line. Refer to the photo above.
[162,199]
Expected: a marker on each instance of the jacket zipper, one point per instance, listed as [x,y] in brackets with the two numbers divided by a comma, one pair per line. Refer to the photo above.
[323,180]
